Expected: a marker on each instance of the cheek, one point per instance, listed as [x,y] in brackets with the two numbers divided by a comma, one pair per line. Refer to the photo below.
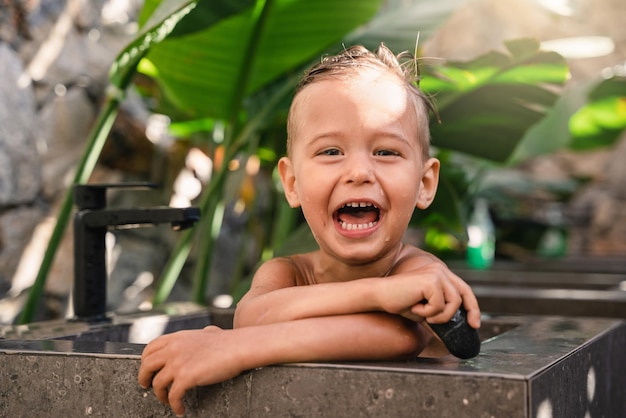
[314,192]
[404,195]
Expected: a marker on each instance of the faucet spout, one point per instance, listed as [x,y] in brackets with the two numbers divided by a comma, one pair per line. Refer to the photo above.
[91,222]
[180,218]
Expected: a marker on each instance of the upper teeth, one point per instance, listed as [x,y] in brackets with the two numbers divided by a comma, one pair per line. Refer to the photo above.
[358,204]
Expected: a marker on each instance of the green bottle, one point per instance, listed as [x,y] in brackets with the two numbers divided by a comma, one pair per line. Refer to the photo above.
[481,243]
[553,242]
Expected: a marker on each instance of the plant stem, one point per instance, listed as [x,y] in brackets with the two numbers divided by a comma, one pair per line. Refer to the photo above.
[96,140]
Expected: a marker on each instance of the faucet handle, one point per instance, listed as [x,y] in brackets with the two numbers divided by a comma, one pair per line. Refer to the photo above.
[93,196]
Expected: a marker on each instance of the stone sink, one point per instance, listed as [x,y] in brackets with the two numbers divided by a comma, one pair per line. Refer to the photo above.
[529,366]
[571,287]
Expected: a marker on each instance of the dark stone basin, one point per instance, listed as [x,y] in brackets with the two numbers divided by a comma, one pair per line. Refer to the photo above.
[140,327]
[529,366]
[550,288]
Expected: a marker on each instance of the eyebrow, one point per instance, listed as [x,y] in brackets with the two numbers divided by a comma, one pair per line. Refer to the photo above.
[324,135]
[378,134]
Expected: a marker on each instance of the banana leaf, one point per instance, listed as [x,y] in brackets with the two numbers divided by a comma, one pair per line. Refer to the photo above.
[201,72]
[486,105]
[603,119]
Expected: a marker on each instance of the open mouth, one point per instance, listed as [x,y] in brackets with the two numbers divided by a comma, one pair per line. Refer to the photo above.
[358,215]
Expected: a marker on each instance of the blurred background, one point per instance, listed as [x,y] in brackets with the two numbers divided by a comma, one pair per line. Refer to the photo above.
[193,96]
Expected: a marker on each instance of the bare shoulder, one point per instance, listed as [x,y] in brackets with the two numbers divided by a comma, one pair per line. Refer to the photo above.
[281,272]
[413,258]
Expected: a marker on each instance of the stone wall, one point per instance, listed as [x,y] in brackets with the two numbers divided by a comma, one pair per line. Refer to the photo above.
[54,60]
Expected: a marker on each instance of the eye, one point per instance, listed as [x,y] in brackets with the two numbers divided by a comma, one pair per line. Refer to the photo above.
[386,153]
[330,152]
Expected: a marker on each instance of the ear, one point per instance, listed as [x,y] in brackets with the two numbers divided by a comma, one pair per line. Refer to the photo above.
[428,183]
[288,179]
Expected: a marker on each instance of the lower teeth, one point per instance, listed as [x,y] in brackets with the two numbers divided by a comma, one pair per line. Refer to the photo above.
[352,227]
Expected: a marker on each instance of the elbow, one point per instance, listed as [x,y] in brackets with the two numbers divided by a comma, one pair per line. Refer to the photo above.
[239,320]
[393,338]
[411,340]
[408,344]
[245,316]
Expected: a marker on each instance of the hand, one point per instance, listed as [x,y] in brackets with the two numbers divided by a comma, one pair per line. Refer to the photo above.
[455,292]
[431,292]
[176,362]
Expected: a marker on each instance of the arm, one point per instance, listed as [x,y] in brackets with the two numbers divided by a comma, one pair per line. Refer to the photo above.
[274,296]
[174,363]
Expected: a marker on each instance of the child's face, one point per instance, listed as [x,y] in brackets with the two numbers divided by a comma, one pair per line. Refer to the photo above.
[356,165]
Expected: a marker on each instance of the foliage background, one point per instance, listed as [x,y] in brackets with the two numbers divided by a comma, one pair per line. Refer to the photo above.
[223,75]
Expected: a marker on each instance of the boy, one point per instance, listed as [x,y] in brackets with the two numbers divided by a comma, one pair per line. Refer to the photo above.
[357,165]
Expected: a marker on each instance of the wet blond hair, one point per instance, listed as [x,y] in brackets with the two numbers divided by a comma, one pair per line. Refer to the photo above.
[357,58]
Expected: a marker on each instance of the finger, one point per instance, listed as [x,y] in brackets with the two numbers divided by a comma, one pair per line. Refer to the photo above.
[410,315]
[211,328]
[160,384]
[176,394]
[468,299]
[145,377]
[451,300]
[446,314]
[473,310]
[470,303]
[155,345]
[147,369]
[433,304]
[151,363]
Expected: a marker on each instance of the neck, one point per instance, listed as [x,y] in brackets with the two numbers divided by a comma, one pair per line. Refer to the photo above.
[330,269]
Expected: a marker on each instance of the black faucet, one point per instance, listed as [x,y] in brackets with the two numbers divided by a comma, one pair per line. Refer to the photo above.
[91,223]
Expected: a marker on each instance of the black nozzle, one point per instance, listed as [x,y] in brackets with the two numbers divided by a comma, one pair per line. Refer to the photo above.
[459,338]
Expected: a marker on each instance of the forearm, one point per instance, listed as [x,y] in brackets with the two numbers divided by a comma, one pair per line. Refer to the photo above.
[301,302]
[348,337]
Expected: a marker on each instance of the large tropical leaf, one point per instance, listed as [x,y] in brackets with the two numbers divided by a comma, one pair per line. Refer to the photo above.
[550,134]
[399,22]
[602,121]
[486,105]
[201,72]
[163,21]
[205,13]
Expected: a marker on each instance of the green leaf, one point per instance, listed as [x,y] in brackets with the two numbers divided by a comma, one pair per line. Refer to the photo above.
[163,19]
[601,122]
[549,135]
[209,12]
[159,26]
[205,13]
[486,105]
[399,22]
[199,72]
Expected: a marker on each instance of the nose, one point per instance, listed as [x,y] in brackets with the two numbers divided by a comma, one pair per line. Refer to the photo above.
[360,169]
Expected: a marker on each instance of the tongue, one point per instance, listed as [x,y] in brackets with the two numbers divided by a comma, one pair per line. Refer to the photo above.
[358,216]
